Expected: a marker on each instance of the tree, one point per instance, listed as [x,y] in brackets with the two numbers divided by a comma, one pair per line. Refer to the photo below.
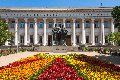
[114,37]
[5,35]
[116,16]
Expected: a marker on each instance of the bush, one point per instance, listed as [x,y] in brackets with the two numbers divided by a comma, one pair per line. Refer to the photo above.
[23,49]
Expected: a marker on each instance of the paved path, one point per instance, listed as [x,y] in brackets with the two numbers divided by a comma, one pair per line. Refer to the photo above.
[5,60]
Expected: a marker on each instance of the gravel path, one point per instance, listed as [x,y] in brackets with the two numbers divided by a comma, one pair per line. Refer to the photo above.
[5,60]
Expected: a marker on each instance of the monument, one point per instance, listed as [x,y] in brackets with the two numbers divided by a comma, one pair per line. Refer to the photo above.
[59,36]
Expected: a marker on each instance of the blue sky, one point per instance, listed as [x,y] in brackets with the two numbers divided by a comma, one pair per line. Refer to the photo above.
[59,3]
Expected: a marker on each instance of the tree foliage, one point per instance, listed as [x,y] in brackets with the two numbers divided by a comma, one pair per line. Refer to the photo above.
[5,35]
[114,37]
[116,16]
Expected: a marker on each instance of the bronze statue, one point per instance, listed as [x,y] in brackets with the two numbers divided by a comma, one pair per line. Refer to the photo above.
[59,36]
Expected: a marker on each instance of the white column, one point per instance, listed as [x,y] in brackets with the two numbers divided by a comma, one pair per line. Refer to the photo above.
[44,37]
[83,32]
[92,32]
[25,39]
[102,32]
[16,31]
[74,36]
[54,22]
[112,25]
[35,32]
[64,23]
[6,43]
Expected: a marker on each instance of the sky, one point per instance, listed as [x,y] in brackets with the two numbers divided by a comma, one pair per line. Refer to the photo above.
[59,3]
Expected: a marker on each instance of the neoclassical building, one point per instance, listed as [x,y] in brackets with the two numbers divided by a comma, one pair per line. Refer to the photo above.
[34,25]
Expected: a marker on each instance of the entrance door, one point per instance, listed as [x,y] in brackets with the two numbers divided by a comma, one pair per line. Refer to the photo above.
[49,40]
[68,40]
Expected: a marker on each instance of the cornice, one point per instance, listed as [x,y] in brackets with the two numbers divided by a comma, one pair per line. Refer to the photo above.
[91,9]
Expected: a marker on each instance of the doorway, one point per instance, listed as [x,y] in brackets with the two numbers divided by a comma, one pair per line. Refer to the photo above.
[49,40]
[68,40]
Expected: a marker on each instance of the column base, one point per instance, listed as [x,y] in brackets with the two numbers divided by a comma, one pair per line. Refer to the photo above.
[93,43]
[74,45]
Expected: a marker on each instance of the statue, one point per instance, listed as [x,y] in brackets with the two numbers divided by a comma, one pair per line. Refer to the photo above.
[55,37]
[64,35]
[59,36]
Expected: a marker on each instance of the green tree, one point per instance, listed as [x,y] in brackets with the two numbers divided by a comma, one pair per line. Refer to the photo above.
[5,35]
[116,16]
[114,37]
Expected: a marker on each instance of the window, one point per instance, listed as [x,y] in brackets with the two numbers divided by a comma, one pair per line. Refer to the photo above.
[87,39]
[12,24]
[87,24]
[50,25]
[106,24]
[22,25]
[77,39]
[68,24]
[106,39]
[96,39]
[31,38]
[96,24]
[40,39]
[22,39]
[31,24]
[77,25]
[41,25]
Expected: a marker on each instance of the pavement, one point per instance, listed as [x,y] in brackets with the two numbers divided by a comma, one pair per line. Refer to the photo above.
[5,60]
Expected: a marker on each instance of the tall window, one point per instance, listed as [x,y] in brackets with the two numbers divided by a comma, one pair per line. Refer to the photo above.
[106,24]
[106,39]
[22,25]
[96,39]
[96,24]
[31,38]
[87,25]
[77,39]
[40,39]
[77,25]
[87,39]
[41,25]
[68,24]
[21,39]
[31,24]
[50,25]
[12,24]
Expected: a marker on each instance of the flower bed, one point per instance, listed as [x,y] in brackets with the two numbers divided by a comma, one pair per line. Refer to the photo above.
[73,66]
[23,69]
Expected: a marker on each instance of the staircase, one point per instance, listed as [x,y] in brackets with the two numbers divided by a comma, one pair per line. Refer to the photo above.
[58,49]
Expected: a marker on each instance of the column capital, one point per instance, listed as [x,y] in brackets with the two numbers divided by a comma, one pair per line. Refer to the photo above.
[44,19]
[6,20]
[83,20]
[16,20]
[64,20]
[26,19]
[54,19]
[35,19]
[92,20]
[102,20]
[112,20]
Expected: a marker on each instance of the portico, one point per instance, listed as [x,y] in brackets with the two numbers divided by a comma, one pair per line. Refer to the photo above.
[83,28]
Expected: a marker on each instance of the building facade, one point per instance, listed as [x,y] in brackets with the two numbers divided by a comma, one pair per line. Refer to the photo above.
[33,26]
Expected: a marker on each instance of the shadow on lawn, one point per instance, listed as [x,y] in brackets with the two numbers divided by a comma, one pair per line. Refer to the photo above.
[110,58]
